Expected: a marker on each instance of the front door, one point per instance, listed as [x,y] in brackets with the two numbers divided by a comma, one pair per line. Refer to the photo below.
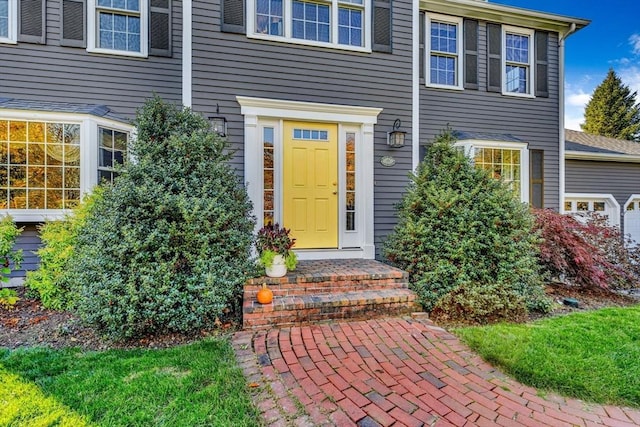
[310,183]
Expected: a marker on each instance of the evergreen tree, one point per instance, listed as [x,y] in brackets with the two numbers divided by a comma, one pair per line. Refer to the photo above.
[167,247]
[613,111]
[465,240]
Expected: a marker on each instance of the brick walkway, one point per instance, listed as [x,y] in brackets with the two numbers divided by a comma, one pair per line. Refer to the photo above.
[394,372]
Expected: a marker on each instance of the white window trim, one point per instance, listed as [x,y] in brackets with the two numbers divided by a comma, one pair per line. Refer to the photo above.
[12,36]
[259,113]
[88,155]
[333,22]
[429,17]
[612,205]
[92,29]
[531,78]
[470,144]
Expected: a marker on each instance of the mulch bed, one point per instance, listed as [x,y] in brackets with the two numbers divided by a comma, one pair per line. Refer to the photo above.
[28,324]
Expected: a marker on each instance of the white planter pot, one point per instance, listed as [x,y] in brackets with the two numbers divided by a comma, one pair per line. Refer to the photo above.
[278,268]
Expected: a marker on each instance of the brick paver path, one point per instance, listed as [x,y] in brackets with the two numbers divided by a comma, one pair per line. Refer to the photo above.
[394,372]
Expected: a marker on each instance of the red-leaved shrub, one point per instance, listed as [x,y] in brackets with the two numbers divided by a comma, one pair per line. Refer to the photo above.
[589,253]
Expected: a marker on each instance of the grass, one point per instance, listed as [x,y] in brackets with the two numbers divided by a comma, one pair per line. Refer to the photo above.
[194,385]
[593,356]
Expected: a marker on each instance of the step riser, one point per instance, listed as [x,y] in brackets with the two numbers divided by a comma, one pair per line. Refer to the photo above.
[312,315]
[314,288]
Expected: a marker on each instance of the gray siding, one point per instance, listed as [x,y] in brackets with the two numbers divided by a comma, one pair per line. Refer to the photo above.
[616,178]
[55,73]
[227,65]
[535,121]
[29,242]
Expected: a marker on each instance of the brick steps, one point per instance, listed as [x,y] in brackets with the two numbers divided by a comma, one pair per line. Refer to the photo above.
[329,290]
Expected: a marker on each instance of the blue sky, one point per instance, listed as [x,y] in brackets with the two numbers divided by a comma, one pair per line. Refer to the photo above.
[611,40]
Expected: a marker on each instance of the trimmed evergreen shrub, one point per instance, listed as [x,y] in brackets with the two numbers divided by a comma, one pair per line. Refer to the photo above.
[49,281]
[462,234]
[586,253]
[167,248]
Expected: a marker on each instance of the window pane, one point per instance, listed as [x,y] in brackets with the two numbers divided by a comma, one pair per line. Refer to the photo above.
[269,17]
[4,18]
[444,37]
[567,206]
[350,27]
[443,70]
[517,79]
[599,206]
[311,21]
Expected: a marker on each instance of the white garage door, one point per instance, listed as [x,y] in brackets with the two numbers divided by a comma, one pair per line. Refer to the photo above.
[632,220]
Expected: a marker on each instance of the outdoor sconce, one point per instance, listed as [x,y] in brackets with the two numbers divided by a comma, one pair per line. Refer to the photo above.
[395,138]
[219,123]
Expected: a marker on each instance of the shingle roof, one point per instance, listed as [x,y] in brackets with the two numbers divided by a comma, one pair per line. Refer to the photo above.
[61,107]
[580,141]
[483,136]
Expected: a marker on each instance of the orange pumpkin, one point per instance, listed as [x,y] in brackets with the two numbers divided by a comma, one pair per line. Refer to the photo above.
[265,296]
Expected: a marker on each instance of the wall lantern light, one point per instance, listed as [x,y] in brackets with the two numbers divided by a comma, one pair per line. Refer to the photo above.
[219,123]
[395,138]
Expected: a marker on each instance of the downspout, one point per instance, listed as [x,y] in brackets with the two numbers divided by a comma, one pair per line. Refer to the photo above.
[187,23]
[415,86]
[562,161]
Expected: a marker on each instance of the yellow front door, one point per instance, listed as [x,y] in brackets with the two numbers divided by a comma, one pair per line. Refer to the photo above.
[310,183]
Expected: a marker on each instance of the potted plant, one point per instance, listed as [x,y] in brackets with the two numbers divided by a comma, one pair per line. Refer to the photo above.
[274,250]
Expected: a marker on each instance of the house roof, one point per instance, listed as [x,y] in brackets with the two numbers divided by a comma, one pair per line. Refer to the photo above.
[96,110]
[580,145]
[505,14]
[484,136]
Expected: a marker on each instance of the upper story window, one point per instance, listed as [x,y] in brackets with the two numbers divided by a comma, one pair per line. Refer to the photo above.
[518,61]
[118,26]
[444,47]
[332,23]
[8,21]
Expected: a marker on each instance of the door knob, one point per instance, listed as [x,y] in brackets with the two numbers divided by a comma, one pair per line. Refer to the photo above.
[335,192]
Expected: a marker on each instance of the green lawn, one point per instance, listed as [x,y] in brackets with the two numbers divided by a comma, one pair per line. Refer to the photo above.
[593,356]
[194,385]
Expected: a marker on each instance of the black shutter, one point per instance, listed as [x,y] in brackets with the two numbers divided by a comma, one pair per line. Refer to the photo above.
[542,64]
[422,42]
[233,16]
[382,26]
[470,54]
[160,28]
[31,22]
[494,58]
[73,20]
[536,188]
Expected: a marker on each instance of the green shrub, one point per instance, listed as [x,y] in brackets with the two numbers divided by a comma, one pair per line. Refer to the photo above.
[10,259]
[49,281]
[167,248]
[8,298]
[461,230]
[473,303]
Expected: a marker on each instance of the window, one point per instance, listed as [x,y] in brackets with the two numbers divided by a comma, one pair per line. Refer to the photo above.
[39,165]
[112,151]
[517,61]
[334,23]
[118,26]
[508,161]
[268,141]
[444,46]
[8,21]
[582,205]
[350,193]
